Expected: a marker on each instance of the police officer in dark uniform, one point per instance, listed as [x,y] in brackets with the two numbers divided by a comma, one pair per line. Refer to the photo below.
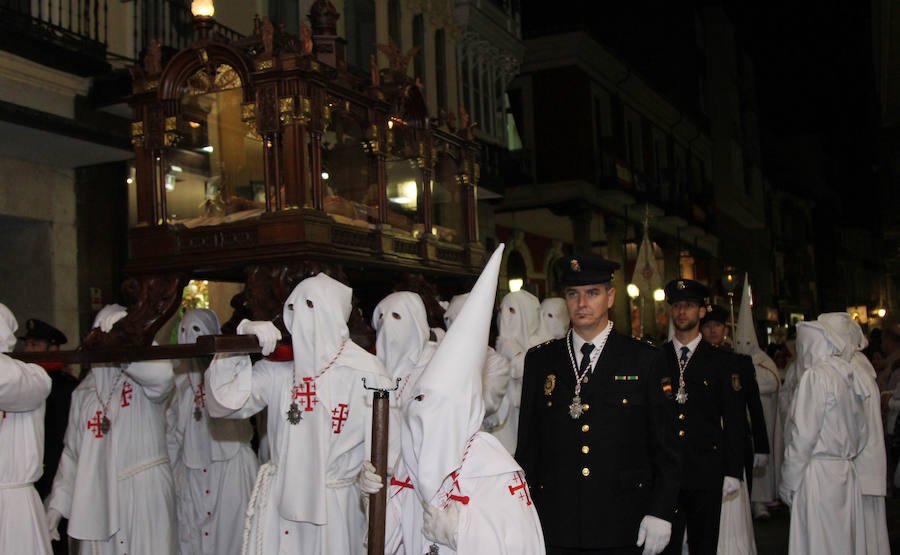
[596,429]
[710,423]
[756,438]
[39,337]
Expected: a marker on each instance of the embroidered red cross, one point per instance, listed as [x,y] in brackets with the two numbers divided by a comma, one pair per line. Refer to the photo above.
[464,499]
[126,393]
[338,417]
[309,392]
[4,415]
[95,423]
[519,484]
[405,484]
[200,396]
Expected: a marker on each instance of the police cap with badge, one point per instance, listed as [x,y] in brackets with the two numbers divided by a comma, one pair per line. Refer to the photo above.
[38,330]
[585,270]
[715,313]
[686,290]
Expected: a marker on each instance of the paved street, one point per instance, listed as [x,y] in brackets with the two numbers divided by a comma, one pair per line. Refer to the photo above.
[772,535]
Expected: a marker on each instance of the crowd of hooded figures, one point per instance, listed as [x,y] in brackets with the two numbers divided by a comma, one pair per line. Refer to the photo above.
[157,456]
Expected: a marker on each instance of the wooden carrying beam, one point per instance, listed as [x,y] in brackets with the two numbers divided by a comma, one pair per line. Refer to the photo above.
[206,345]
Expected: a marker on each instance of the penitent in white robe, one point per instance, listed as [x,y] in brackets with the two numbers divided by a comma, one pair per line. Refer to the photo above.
[214,468]
[116,487]
[23,389]
[871,464]
[306,499]
[496,514]
[765,478]
[827,431]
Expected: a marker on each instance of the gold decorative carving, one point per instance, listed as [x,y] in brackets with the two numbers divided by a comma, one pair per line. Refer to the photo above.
[264,65]
[137,133]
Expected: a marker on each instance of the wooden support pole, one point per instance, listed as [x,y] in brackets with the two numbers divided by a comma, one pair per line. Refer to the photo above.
[206,345]
[378,501]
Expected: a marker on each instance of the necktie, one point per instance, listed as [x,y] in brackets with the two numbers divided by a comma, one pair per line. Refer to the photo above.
[684,355]
[585,357]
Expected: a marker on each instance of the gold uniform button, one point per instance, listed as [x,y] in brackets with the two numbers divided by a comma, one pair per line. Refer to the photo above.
[680,433]
[681,416]
[624,401]
[585,428]
[585,449]
[585,406]
[585,471]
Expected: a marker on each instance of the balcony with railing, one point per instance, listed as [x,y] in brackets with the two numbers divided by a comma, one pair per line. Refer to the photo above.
[83,36]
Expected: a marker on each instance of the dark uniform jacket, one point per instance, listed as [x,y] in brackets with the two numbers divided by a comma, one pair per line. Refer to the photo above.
[711,425]
[750,393]
[593,479]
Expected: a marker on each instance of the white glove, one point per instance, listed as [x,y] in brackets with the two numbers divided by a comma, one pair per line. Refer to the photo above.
[760,460]
[53,518]
[653,534]
[108,316]
[730,486]
[369,481]
[265,331]
[441,526]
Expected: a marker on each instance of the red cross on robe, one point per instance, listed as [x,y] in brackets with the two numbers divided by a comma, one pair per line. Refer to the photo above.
[338,417]
[521,487]
[307,394]
[126,393]
[95,424]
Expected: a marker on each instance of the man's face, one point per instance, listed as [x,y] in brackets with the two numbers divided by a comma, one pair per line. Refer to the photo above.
[589,305]
[713,332]
[39,346]
[686,315]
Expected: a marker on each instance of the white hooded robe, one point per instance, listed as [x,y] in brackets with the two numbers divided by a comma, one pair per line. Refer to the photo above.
[518,322]
[827,431]
[23,390]
[116,487]
[306,498]
[447,460]
[212,461]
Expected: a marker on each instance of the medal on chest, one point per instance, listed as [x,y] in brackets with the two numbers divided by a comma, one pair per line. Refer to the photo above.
[198,414]
[294,416]
[105,424]
[576,408]
[682,396]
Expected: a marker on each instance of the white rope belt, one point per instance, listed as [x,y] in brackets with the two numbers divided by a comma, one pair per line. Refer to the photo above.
[19,485]
[337,484]
[142,467]
[256,507]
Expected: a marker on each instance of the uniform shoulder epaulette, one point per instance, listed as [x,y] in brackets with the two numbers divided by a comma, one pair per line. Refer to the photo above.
[541,345]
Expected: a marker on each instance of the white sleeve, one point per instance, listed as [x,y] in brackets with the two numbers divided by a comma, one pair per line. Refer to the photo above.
[156,377]
[807,413]
[60,497]
[234,388]
[23,387]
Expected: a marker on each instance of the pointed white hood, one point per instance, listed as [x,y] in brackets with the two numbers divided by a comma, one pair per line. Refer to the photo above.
[447,408]
[316,314]
[401,332]
[453,308]
[8,327]
[554,318]
[745,340]
[197,322]
[519,319]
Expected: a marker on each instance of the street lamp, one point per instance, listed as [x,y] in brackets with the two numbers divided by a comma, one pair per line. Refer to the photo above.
[633,291]
[659,295]
[202,8]
[729,285]
[516,284]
